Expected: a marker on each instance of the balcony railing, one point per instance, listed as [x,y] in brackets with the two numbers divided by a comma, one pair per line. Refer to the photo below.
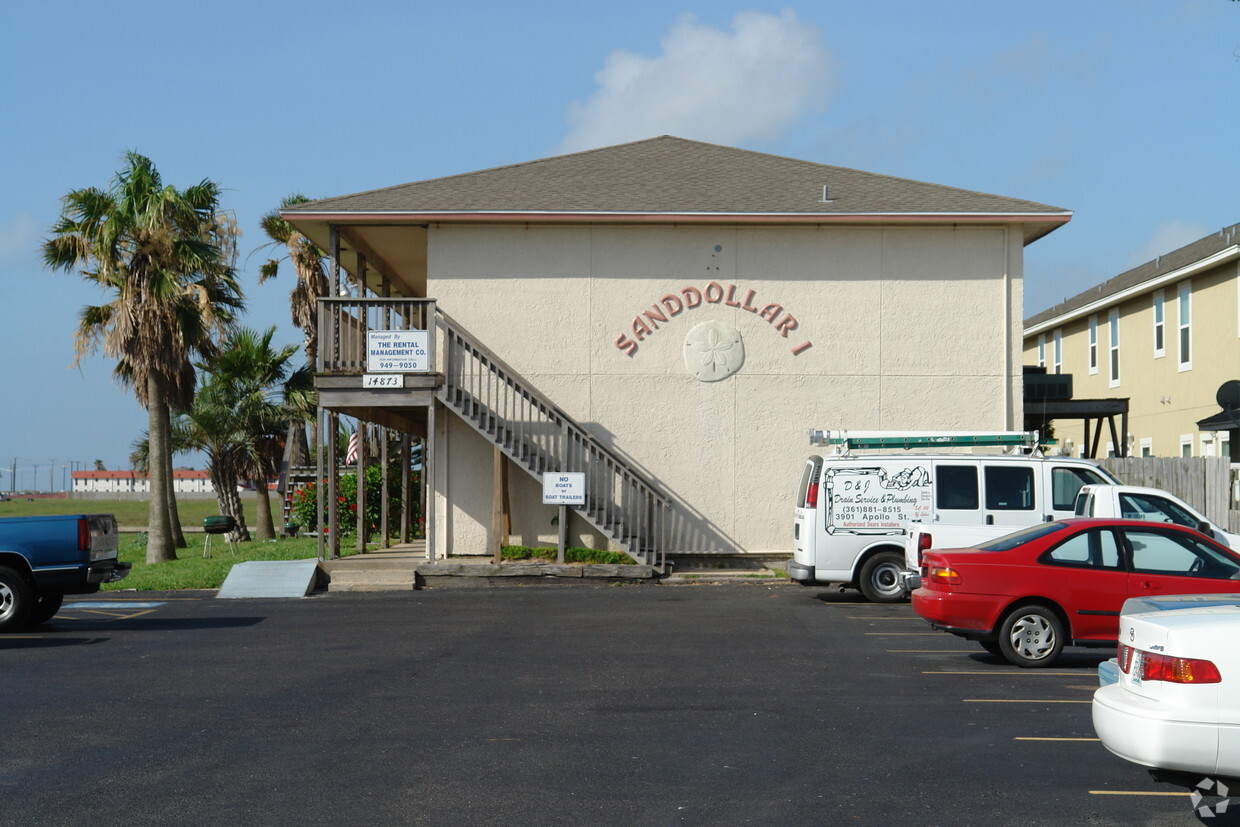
[344,323]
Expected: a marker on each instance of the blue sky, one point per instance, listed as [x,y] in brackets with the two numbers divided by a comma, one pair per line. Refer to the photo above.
[1123,112]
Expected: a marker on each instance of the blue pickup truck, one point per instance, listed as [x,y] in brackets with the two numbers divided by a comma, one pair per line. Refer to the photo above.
[44,558]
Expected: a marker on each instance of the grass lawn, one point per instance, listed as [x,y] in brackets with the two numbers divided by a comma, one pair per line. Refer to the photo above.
[130,513]
[192,571]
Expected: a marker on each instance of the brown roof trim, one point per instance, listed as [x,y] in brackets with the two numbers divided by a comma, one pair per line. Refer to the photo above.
[679,218]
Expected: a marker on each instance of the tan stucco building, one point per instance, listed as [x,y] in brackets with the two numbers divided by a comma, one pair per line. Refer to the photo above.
[694,310]
[1164,335]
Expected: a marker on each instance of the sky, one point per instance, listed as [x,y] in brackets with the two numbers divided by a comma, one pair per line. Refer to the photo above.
[1123,112]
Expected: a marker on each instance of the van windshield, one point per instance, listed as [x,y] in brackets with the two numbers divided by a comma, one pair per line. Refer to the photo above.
[1010,541]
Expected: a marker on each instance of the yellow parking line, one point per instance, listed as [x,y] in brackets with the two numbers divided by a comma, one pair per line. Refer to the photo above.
[1022,701]
[1136,792]
[1032,738]
[935,651]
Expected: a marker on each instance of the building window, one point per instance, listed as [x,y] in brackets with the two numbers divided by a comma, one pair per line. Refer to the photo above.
[1147,447]
[1041,350]
[1207,445]
[1113,335]
[1093,344]
[1185,302]
[1224,444]
[1160,326]
[1186,445]
[1057,353]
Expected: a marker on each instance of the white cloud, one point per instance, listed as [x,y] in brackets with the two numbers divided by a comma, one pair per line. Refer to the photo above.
[19,238]
[1167,236]
[708,84]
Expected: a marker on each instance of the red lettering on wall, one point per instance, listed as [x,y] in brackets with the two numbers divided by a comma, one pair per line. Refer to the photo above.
[771,311]
[626,344]
[788,322]
[689,298]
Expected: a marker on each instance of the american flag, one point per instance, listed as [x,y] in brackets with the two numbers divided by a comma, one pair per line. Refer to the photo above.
[351,456]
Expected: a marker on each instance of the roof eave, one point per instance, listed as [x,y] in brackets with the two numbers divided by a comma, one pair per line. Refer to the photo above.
[1153,283]
[1039,223]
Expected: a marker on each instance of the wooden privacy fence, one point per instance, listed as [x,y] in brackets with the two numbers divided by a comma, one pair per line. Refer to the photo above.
[1202,482]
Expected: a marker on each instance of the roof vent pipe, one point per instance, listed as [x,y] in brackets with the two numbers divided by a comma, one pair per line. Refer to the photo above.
[825,199]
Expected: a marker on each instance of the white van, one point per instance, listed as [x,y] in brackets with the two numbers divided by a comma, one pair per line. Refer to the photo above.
[851,506]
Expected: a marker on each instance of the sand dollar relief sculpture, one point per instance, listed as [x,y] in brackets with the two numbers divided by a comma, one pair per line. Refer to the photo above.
[713,351]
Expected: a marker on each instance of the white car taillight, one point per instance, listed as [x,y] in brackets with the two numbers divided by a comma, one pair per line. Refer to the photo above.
[1153,666]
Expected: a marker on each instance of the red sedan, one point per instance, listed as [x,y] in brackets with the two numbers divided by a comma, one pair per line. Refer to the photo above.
[1026,595]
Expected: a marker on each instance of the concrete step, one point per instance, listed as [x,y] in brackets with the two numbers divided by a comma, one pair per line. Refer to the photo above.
[371,580]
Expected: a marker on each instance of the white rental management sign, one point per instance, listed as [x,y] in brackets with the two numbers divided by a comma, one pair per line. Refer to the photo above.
[397,351]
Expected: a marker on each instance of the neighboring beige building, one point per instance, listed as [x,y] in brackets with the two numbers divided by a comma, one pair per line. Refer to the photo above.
[1164,335]
[696,309]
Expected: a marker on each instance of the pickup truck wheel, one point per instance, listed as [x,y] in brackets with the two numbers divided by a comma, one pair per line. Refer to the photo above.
[880,578]
[1031,635]
[45,608]
[16,600]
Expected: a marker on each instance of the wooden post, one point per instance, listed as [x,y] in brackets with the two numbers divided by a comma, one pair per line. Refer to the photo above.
[333,487]
[405,500]
[429,505]
[319,494]
[361,487]
[559,554]
[385,494]
[497,505]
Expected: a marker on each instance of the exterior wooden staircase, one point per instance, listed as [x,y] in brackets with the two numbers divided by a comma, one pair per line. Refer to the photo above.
[539,438]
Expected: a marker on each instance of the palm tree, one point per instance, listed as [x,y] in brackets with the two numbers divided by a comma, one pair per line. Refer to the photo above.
[265,394]
[165,259]
[309,268]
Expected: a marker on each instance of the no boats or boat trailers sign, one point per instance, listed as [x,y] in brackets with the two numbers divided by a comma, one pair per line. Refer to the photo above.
[564,489]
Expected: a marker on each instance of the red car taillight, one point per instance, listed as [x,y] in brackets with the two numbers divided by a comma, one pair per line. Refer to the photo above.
[1156,667]
[83,535]
[811,496]
[923,545]
[944,576]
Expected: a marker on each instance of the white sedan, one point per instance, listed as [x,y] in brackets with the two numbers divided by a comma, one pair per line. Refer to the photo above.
[1176,705]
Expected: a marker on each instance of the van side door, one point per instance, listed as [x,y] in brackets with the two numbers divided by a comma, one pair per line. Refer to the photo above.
[957,492]
[1010,494]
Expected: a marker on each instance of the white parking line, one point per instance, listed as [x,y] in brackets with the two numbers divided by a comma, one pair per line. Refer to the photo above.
[1022,701]
[1137,792]
[1023,672]
[1032,738]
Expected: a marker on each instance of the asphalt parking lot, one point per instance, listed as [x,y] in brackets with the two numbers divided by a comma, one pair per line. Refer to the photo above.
[648,704]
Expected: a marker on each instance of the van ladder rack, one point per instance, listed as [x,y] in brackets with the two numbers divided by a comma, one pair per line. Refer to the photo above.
[850,440]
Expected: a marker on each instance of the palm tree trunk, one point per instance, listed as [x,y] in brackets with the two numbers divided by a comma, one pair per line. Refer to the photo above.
[174,516]
[224,480]
[159,542]
[263,525]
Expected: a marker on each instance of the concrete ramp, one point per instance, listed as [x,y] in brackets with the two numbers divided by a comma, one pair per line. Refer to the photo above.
[270,578]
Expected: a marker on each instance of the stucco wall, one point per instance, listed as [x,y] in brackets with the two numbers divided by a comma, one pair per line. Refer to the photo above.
[905,327]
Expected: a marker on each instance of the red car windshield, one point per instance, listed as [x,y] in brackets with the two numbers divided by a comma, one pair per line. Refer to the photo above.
[1016,538]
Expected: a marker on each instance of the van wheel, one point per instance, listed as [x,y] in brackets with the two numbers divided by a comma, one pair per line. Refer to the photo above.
[1031,635]
[880,578]
[16,600]
[45,608]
